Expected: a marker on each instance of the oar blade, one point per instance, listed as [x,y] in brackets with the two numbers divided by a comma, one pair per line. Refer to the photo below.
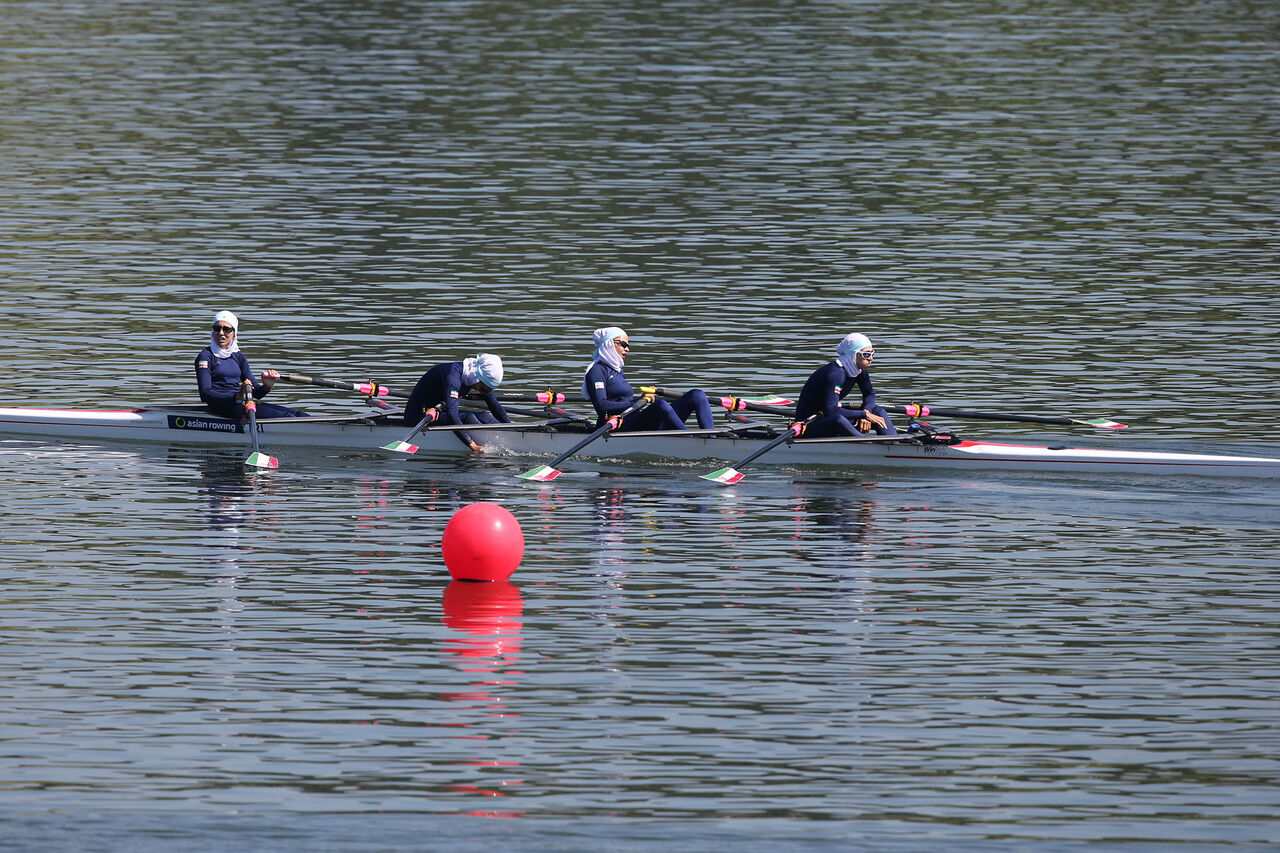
[725,476]
[1102,423]
[770,400]
[541,474]
[401,447]
[262,460]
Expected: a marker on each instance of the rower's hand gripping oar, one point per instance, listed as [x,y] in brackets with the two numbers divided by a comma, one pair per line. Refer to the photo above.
[403,445]
[543,473]
[256,459]
[729,476]
[915,410]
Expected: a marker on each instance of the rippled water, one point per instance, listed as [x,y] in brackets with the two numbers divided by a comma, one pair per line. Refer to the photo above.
[1029,206]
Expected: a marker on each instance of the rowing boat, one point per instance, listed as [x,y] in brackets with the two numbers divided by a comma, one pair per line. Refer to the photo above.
[369,431]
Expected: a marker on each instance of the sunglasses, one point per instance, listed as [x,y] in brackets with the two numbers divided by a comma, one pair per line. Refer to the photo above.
[868,354]
[623,344]
[222,330]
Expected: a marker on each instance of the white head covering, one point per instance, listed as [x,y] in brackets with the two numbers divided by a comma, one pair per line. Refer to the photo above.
[231,320]
[485,367]
[847,352]
[605,350]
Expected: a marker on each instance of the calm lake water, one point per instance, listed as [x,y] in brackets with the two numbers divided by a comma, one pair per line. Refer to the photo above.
[1063,208]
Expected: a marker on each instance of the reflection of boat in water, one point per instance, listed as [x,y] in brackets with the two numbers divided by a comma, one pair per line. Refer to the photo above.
[369,432]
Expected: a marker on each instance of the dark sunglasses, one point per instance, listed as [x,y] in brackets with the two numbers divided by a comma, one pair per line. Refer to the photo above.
[624,344]
[222,330]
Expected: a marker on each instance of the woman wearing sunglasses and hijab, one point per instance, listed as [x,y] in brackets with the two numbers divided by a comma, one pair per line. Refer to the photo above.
[446,383]
[223,374]
[832,382]
[607,388]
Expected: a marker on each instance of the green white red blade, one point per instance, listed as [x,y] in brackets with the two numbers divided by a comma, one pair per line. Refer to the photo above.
[725,476]
[401,447]
[1102,423]
[770,400]
[262,460]
[541,474]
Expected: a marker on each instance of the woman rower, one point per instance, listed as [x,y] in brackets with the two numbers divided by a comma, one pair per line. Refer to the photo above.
[607,388]
[829,384]
[446,383]
[224,377]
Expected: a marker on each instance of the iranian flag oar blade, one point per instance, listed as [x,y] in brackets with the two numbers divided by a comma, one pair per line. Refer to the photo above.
[729,476]
[544,473]
[257,459]
[916,410]
[403,445]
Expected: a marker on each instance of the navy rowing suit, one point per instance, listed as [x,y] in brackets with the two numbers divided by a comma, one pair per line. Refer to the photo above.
[822,393]
[443,384]
[219,382]
[611,394]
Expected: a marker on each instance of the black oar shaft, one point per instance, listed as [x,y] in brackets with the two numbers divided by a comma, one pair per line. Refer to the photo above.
[738,402]
[251,408]
[609,424]
[369,389]
[792,431]
[981,416]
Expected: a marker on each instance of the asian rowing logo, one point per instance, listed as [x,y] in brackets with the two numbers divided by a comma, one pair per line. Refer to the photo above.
[199,424]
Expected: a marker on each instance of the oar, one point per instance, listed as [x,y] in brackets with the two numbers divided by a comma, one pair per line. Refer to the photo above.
[403,445]
[917,411]
[769,403]
[548,397]
[369,389]
[543,473]
[256,459]
[729,476]
[373,389]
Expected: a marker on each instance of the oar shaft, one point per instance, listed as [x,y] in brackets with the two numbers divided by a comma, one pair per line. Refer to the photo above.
[256,458]
[369,389]
[916,411]
[251,408]
[792,431]
[612,423]
[732,403]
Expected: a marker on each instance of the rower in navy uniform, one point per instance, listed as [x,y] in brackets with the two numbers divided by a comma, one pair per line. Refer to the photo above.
[223,375]
[446,383]
[606,387]
[832,382]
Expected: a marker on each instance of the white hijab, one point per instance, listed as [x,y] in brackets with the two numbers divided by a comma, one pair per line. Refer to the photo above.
[485,367]
[230,319]
[847,352]
[605,351]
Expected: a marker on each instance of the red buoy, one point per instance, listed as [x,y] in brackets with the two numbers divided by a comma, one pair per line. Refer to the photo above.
[482,542]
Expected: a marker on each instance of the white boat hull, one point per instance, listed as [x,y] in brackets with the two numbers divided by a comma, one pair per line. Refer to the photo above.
[191,426]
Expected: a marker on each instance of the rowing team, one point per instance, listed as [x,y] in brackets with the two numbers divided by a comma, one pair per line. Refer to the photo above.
[226,384]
